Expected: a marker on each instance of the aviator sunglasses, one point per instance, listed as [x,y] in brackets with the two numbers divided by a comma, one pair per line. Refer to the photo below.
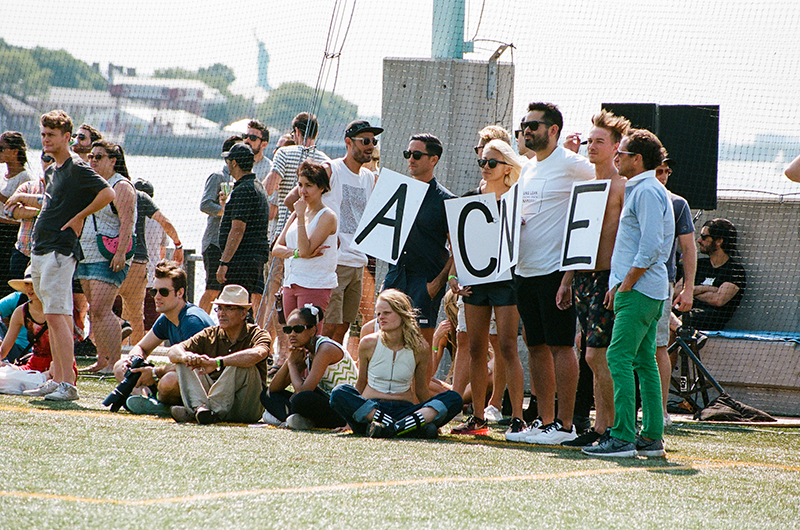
[163,291]
[492,162]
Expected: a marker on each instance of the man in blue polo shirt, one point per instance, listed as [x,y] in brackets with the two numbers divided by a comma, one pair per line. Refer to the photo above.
[179,321]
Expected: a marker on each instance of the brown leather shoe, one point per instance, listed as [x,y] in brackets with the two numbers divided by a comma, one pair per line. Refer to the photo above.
[181,414]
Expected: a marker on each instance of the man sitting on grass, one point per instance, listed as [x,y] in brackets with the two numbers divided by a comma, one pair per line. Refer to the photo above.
[179,321]
[223,369]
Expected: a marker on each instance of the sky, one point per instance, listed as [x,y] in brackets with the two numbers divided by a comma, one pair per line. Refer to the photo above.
[741,55]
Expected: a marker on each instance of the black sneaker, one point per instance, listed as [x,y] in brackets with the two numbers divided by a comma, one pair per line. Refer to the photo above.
[429,431]
[584,440]
[516,426]
[582,424]
[379,430]
[85,348]
[653,448]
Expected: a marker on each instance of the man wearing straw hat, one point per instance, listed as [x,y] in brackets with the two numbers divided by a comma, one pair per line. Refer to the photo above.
[222,370]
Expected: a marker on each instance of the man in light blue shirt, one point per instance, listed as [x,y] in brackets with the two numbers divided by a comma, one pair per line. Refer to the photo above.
[638,286]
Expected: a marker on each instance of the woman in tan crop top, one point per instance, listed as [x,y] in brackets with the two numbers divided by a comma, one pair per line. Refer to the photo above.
[391,396]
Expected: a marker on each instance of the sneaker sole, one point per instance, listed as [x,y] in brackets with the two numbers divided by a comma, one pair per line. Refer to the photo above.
[652,454]
[619,454]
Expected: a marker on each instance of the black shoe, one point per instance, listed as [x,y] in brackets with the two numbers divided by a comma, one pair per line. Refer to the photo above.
[126,328]
[584,440]
[379,430]
[582,424]
[429,431]
[206,416]
[85,348]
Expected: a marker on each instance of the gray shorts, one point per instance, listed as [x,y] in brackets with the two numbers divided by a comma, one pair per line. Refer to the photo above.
[662,331]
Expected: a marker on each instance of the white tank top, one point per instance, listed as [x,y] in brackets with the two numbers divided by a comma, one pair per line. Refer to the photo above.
[311,273]
[391,372]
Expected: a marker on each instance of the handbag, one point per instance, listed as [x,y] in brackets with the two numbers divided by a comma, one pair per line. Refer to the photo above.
[108,245]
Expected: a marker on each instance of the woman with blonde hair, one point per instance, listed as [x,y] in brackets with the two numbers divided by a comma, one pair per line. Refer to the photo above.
[391,396]
[500,169]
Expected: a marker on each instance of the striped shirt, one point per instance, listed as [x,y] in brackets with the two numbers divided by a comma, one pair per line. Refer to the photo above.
[287,160]
[343,372]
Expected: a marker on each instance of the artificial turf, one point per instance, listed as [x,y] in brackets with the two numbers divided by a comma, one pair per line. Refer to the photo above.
[76,465]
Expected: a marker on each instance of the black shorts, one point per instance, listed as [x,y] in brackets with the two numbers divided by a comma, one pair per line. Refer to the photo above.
[249,273]
[495,294]
[211,256]
[544,322]
[416,287]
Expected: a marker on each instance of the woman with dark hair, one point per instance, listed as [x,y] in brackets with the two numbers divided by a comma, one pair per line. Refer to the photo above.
[102,270]
[315,366]
[14,155]
[391,397]
[308,243]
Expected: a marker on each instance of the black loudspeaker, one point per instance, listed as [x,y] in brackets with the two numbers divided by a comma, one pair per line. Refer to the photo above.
[690,134]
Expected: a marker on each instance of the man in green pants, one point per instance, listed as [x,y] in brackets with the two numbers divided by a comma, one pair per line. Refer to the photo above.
[638,286]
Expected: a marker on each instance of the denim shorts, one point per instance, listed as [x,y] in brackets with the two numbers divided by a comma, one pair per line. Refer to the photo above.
[101,271]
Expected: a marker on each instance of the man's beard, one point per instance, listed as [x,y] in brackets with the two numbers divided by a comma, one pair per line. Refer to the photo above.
[537,143]
[81,150]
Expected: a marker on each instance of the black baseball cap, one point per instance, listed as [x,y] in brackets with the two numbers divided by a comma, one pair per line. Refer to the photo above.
[240,152]
[360,126]
[145,186]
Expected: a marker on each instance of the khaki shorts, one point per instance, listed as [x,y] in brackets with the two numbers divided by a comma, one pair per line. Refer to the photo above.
[52,281]
[662,331]
[346,297]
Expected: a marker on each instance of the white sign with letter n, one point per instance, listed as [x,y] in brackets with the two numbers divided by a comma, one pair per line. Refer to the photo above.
[388,216]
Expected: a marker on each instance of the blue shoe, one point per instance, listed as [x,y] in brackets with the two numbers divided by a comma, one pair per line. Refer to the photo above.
[145,405]
[611,448]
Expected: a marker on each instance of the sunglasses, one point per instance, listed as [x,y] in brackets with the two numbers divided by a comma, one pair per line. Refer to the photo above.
[416,154]
[223,308]
[492,162]
[98,157]
[625,153]
[163,291]
[47,159]
[251,137]
[533,125]
[299,328]
[79,136]
[366,141]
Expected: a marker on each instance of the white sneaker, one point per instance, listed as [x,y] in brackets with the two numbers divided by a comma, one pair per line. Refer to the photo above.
[64,392]
[299,423]
[667,419]
[48,387]
[532,430]
[553,434]
[492,413]
[269,419]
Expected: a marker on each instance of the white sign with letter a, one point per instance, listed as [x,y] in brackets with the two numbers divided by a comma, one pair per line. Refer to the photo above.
[587,207]
[388,216]
[474,225]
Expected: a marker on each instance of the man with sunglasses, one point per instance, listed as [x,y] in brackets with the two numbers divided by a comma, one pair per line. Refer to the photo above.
[422,268]
[546,183]
[223,369]
[257,137]
[84,139]
[351,186]
[179,320]
[638,287]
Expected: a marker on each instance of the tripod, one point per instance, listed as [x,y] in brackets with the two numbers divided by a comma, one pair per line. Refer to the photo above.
[694,380]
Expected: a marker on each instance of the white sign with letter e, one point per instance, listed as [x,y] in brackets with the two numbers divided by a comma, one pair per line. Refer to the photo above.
[388,216]
[474,225]
[587,206]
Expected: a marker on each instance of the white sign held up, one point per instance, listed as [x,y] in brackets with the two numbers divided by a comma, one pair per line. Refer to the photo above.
[587,207]
[474,224]
[388,216]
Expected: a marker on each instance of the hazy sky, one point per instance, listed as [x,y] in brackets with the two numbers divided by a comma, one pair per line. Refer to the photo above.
[742,55]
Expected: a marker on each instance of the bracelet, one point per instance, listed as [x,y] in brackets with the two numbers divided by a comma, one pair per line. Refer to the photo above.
[223,263]
[435,349]
[179,246]
[296,253]
[220,364]
[451,277]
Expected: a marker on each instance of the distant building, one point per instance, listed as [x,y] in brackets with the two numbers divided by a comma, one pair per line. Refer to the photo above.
[18,116]
[174,94]
[78,103]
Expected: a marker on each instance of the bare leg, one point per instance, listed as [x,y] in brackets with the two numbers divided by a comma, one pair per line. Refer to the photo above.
[478,325]
[61,348]
[603,388]
[566,372]
[461,365]
[132,292]
[507,320]
[105,323]
[205,301]
[664,372]
[543,376]
[498,375]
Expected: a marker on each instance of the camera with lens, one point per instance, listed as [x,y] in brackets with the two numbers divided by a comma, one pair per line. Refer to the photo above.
[117,398]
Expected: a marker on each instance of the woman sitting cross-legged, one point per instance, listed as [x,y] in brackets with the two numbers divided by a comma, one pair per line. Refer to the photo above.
[391,397]
[315,366]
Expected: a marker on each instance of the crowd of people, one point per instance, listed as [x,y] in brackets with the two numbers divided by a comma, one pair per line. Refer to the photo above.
[286,284]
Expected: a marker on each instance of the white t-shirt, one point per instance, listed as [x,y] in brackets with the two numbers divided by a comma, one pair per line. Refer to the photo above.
[348,198]
[546,187]
[9,186]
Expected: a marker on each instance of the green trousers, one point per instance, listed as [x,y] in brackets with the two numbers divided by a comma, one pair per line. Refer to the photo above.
[633,349]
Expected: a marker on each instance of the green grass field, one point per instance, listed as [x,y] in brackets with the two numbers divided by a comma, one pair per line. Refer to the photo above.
[75,465]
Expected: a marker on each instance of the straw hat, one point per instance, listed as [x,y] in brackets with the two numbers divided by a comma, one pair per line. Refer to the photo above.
[233,295]
[19,285]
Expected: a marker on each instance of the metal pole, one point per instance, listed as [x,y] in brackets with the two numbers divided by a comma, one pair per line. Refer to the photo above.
[448,29]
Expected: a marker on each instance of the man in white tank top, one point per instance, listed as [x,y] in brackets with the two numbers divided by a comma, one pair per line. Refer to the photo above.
[351,186]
